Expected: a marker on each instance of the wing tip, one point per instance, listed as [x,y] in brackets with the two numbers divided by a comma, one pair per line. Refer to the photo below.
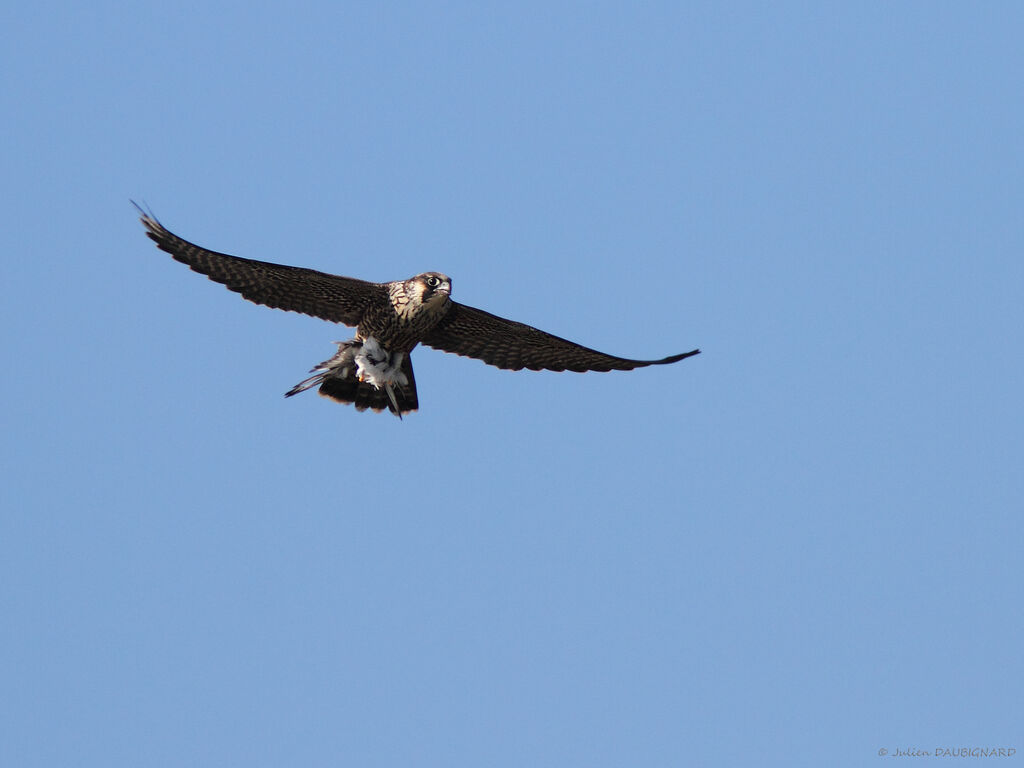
[154,228]
[677,358]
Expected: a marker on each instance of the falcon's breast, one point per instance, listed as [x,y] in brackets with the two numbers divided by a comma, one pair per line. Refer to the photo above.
[415,306]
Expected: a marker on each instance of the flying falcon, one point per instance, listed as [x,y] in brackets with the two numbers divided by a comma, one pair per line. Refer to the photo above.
[374,370]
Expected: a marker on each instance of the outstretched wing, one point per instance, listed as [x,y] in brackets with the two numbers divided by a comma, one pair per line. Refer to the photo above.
[329,297]
[513,346]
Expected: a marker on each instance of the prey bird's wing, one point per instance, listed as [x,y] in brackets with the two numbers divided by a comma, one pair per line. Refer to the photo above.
[329,297]
[513,346]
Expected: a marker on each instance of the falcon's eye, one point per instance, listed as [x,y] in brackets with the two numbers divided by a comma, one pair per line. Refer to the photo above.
[433,282]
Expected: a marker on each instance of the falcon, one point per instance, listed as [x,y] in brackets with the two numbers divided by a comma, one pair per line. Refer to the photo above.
[374,370]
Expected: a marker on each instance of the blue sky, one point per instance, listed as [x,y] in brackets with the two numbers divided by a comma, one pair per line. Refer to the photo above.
[799,548]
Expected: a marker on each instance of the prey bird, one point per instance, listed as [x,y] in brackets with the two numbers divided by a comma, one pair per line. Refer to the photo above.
[373,370]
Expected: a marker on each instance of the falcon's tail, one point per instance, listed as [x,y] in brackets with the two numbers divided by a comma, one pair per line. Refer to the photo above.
[397,398]
[349,378]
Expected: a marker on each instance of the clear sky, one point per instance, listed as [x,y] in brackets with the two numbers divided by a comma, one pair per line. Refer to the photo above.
[799,548]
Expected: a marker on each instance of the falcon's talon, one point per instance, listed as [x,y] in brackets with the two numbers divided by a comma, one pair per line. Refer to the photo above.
[391,319]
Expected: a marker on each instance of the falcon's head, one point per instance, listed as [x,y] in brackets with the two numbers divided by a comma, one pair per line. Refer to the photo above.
[424,296]
[431,289]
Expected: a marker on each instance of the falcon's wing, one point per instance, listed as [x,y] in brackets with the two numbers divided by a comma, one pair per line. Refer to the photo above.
[513,346]
[329,297]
